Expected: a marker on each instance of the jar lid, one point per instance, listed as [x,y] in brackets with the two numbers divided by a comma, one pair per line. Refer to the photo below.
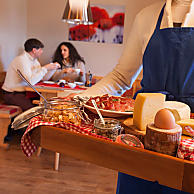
[110,123]
[130,140]
[60,103]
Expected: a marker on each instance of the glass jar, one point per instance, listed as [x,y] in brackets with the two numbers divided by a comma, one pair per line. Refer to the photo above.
[60,110]
[111,129]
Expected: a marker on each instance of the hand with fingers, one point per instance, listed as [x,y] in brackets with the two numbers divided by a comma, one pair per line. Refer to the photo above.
[52,66]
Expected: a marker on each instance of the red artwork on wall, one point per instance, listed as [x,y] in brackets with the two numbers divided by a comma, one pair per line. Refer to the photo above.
[107,27]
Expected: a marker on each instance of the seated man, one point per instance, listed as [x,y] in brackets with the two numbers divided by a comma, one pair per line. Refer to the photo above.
[27,63]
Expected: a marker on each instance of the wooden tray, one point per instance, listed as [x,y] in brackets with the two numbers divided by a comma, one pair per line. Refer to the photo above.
[167,170]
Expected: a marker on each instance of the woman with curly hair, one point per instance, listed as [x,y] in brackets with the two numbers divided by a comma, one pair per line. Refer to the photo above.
[72,64]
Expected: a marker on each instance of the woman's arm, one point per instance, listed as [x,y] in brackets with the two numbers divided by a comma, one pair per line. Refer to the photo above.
[32,75]
[59,74]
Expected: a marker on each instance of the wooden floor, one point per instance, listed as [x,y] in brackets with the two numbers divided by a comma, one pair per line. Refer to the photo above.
[35,175]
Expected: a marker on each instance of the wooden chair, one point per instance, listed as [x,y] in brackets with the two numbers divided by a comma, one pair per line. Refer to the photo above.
[2,78]
[6,114]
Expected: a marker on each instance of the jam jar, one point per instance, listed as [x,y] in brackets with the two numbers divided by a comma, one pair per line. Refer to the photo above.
[60,110]
[111,129]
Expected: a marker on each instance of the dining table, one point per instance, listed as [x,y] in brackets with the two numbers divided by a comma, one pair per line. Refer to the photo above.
[52,89]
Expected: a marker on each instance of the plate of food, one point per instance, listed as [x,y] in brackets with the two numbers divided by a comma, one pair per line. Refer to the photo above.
[111,106]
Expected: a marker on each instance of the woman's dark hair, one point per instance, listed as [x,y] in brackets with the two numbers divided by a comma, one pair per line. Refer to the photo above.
[73,54]
[32,43]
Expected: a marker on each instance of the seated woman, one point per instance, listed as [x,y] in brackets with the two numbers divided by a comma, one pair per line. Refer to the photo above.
[72,64]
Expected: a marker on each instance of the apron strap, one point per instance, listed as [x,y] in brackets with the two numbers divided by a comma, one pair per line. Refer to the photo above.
[160,18]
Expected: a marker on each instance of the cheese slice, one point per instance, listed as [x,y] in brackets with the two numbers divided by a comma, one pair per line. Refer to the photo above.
[184,123]
[180,110]
[145,108]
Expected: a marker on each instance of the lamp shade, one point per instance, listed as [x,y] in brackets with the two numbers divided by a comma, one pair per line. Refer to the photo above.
[78,12]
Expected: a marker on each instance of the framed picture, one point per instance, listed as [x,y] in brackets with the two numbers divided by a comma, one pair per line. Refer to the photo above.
[107,27]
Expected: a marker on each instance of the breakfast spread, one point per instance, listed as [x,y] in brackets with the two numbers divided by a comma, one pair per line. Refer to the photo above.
[161,122]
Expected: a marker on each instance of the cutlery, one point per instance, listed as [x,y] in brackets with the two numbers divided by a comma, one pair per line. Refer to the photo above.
[44,99]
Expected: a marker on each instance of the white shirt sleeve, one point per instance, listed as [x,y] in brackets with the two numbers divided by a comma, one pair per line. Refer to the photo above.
[32,74]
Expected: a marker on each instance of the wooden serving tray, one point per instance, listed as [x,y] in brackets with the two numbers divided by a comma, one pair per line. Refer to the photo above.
[167,170]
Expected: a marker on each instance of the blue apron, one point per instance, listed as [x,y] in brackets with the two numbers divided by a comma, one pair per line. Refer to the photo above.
[168,67]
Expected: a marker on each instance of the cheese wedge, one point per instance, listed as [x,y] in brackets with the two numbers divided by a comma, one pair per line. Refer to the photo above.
[145,108]
[180,110]
[184,123]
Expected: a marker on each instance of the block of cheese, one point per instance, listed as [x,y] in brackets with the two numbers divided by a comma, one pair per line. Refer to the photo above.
[184,123]
[180,110]
[145,108]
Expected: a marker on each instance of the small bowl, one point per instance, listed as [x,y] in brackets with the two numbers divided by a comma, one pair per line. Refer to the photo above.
[72,85]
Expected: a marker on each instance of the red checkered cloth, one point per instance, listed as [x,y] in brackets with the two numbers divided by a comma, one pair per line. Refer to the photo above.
[186,149]
[28,147]
[54,85]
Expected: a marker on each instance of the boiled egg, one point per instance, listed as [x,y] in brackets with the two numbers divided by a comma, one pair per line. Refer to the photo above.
[164,119]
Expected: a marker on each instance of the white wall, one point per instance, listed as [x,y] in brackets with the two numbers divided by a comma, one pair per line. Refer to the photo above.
[44,22]
[22,19]
[12,30]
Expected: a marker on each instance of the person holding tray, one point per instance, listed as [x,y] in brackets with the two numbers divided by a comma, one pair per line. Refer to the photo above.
[161,42]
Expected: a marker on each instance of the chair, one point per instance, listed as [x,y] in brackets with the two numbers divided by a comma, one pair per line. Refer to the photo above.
[7,112]
[2,78]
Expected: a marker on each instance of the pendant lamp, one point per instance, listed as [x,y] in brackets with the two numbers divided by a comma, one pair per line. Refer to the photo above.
[78,12]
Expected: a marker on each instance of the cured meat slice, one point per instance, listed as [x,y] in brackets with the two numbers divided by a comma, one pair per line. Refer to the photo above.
[114,103]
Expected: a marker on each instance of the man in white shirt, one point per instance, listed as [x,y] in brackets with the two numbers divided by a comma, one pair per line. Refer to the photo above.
[27,63]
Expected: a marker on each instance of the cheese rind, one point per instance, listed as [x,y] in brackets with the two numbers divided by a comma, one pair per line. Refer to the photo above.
[180,110]
[184,123]
[145,108]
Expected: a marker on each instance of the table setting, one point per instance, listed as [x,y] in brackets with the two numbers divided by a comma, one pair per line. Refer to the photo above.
[61,84]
